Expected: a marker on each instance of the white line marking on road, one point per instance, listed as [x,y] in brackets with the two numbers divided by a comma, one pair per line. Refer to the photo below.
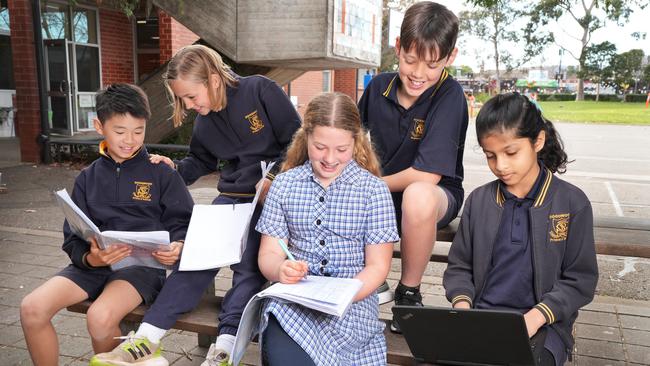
[615,203]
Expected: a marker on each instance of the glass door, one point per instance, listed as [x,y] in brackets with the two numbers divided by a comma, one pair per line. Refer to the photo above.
[58,83]
[70,37]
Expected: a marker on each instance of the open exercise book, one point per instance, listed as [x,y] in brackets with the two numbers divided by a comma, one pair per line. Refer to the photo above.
[330,295]
[143,242]
[217,234]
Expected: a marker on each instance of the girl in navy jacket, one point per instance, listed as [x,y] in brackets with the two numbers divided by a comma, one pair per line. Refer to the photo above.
[525,241]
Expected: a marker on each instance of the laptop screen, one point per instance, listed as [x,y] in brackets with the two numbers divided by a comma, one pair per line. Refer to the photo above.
[465,336]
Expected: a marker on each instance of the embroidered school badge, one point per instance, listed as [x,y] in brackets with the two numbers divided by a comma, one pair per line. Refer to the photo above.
[142,191]
[255,121]
[559,227]
[418,129]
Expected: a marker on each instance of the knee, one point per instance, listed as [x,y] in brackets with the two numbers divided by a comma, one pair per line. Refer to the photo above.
[101,322]
[420,201]
[34,311]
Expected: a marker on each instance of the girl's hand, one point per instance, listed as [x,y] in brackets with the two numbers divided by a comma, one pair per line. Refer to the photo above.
[292,271]
[105,257]
[534,320]
[169,257]
[155,159]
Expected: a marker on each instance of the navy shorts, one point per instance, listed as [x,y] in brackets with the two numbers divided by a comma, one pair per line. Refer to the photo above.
[147,281]
[452,209]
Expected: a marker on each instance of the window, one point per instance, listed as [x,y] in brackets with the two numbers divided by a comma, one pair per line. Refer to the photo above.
[327,81]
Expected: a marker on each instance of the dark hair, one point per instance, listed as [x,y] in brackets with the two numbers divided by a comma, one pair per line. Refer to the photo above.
[121,98]
[430,27]
[512,111]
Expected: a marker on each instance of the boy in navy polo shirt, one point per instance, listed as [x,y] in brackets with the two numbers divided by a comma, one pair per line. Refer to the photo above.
[417,118]
[122,191]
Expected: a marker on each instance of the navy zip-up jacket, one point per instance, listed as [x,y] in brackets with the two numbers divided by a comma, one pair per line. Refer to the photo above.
[257,124]
[134,195]
[565,271]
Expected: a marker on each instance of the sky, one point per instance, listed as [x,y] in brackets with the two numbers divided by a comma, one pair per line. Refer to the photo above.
[566,28]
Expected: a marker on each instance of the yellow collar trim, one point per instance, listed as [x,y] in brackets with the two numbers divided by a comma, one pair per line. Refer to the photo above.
[103,150]
[541,196]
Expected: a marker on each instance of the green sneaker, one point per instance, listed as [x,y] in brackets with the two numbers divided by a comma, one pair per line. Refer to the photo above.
[132,351]
[216,357]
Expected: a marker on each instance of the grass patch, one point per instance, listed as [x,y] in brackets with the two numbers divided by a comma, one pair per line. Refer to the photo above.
[597,112]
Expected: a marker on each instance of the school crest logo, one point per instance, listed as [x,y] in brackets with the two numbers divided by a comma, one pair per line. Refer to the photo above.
[418,129]
[559,227]
[142,191]
[255,121]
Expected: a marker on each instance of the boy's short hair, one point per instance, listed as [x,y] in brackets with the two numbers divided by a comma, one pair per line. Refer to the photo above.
[122,98]
[431,28]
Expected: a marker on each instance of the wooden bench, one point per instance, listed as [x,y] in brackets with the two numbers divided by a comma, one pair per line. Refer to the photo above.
[613,236]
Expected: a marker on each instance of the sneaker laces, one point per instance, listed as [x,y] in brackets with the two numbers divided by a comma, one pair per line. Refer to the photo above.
[131,338]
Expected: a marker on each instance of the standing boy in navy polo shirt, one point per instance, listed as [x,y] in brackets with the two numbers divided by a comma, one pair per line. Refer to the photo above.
[417,118]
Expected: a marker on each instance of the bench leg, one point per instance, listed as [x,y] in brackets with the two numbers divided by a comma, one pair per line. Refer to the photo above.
[205,340]
[126,326]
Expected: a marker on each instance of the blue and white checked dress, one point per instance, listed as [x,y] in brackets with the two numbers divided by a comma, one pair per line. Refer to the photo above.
[329,229]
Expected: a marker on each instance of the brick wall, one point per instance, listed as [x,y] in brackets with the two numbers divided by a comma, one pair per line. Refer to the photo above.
[173,36]
[307,86]
[28,115]
[345,81]
[116,47]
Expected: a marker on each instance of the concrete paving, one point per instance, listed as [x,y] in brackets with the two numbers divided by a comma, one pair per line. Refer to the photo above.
[610,331]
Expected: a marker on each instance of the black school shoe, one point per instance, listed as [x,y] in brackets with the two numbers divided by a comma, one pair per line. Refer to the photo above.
[405,295]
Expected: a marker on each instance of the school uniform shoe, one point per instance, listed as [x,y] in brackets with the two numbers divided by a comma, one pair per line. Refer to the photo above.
[405,296]
[384,293]
[216,357]
[132,351]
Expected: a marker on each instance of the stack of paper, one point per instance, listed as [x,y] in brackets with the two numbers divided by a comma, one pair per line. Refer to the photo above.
[329,295]
[143,242]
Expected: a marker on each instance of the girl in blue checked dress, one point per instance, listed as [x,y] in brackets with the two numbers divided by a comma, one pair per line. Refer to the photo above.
[337,215]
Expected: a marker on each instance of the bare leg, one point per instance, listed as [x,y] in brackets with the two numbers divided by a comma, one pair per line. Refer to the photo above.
[36,312]
[104,315]
[423,204]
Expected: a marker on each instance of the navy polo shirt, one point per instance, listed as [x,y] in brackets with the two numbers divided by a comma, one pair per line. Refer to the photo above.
[429,136]
[257,124]
[510,279]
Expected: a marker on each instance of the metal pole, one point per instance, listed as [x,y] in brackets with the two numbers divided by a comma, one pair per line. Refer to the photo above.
[44,136]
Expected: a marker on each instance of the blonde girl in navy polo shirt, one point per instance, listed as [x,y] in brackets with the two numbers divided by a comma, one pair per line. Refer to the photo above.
[525,241]
[337,216]
[240,122]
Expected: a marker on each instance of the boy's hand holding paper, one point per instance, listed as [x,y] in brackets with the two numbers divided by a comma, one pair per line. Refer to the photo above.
[98,257]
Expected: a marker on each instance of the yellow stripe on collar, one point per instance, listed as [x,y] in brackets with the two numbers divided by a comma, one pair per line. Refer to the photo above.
[390,86]
[500,197]
[443,77]
[542,192]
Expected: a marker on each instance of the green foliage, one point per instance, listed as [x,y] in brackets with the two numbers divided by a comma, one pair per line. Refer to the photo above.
[556,97]
[597,61]
[482,97]
[583,13]
[463,69]
[627,68]
[635,98]
[389,59]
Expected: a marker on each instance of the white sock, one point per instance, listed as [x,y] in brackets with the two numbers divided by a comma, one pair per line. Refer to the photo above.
[225,342]
[153,333]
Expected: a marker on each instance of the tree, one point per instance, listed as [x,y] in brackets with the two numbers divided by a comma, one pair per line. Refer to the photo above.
[389,59]
[493,21]
[597,63]
[627,68]
[584,13]
[462,70]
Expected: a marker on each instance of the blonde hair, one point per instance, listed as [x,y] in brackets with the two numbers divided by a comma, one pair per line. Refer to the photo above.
[332,110]
[197,63]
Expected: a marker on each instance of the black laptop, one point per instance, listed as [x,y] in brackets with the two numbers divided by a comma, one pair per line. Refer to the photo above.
[446,336]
